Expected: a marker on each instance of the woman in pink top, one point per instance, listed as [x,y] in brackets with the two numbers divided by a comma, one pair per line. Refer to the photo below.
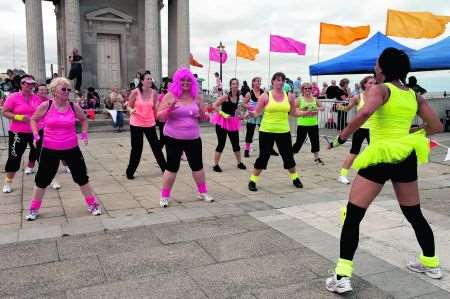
[60,142]
[19,107]
[143,104]
[181,109]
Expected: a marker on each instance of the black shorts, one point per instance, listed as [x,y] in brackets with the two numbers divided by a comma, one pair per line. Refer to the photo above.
[402,172]
[358,139]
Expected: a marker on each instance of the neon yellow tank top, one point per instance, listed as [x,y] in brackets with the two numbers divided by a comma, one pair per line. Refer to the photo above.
[276,116]
[393,120]
[390,137]
[361,103]
[307,106]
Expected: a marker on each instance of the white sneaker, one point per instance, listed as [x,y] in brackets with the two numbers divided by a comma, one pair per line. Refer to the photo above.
[205,197]
[340,286]
[32,215]
[55,185]
[7,188]
[164,202]
[434,273]
[343,180]
[95,210]
[66,170]
[28,170]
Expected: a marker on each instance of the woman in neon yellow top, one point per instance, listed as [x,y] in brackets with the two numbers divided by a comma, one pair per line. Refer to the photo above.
[360,134]
[276,105]
[393,154]
[308,122]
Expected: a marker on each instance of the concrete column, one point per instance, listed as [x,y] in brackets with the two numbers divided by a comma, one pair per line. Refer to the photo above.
[179,37]
[72,28]
[153,39]
[172,37]
[183,36]
[35,39]
[59,39]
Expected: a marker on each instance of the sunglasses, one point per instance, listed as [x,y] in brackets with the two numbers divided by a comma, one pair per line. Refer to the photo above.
[307,88]
[66,89]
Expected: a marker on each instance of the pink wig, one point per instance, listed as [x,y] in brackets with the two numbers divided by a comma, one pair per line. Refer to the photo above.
[175,87]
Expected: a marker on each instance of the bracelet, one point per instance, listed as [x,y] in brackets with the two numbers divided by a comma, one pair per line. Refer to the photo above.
[19,117]
[84,136]
[338,141]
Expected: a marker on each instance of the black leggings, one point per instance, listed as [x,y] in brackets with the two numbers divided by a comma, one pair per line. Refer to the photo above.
[350,230]
[137,143]
[250,132]
[49,163]
[192,149]
[162,139]
[358,139]
[77,75]
[222,138]
[312,132]
[341,120]
[284,144]
[16,147]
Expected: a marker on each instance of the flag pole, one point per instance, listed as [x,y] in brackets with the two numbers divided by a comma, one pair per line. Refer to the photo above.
[235,67]
[268,75]
[209,66]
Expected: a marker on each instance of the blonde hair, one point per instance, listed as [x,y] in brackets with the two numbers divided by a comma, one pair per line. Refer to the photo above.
[56,82]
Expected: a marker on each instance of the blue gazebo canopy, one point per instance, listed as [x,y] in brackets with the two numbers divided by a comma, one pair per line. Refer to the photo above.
[360,60]
[432,58]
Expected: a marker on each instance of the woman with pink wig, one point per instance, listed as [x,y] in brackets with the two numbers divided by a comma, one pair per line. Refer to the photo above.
[227,123]
[181,109]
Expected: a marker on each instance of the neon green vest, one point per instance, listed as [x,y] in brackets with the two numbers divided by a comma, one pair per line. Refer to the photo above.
[276,116]
[307,106]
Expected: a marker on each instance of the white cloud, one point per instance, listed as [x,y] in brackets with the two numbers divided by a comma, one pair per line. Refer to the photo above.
[251,22]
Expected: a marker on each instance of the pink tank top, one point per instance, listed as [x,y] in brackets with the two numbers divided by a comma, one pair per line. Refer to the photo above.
[17,103]
[59,130]
[143,116]
[182,122]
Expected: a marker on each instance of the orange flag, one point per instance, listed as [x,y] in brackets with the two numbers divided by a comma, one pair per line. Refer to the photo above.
[245,51]
[194,62]
[415,24]
[342,35]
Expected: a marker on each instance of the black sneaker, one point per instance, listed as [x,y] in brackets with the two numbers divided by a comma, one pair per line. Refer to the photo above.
[297,183]
[241,166]
[252,186]
[130,176]
[246,154]
[319,161]
[274,153]
[217,168]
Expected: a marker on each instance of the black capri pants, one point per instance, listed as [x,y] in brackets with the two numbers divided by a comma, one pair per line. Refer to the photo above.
[284,144]
[222,138]
[250,132]
[312,132]
[17,144]
[192,149]
[49,163]
[358,139]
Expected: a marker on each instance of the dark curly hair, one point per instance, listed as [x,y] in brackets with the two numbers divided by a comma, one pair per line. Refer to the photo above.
[395,65]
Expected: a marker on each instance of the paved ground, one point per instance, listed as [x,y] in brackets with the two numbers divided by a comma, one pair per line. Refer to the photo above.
[277,243]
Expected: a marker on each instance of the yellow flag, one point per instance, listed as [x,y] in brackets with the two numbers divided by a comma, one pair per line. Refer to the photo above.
[415,24]
[342,35]
[245,51]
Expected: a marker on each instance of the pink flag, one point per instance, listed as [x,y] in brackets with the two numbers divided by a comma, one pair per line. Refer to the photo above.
[283,44]
[214,55]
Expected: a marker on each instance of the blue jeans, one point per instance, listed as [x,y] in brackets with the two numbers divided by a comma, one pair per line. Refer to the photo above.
[119,120]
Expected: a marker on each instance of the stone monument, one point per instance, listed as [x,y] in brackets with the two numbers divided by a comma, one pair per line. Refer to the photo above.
[116,38]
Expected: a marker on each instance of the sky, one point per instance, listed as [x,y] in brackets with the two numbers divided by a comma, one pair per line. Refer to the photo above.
[251,22]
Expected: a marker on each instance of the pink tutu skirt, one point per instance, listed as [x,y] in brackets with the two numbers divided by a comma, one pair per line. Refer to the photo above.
[231,123]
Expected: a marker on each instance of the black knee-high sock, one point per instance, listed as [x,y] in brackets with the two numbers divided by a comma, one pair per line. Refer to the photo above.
[423,231]
[350,231]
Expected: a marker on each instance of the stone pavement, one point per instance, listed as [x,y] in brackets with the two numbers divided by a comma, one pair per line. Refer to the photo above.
[277,243]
